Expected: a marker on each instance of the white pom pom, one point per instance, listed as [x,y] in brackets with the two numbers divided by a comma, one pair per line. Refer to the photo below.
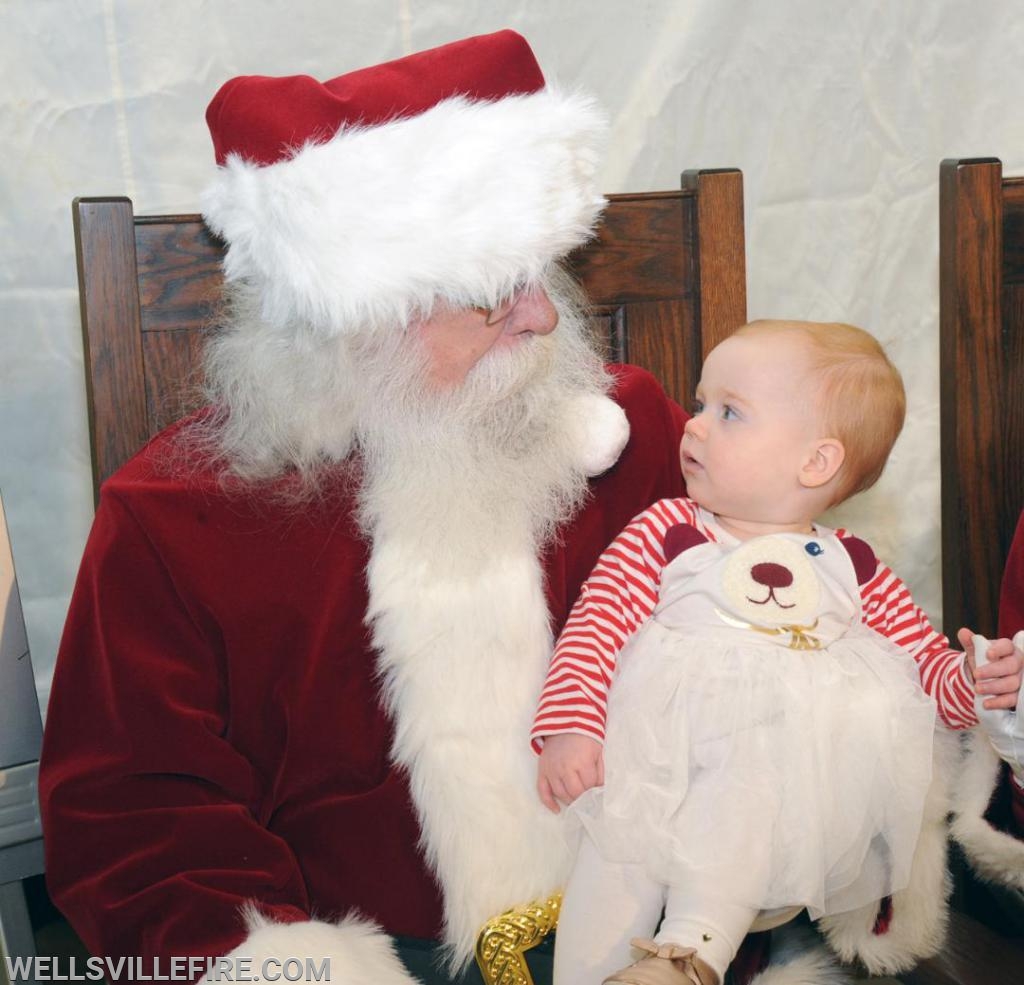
[599,430]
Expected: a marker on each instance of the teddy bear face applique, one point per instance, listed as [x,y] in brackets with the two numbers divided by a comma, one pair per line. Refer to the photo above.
[771,587]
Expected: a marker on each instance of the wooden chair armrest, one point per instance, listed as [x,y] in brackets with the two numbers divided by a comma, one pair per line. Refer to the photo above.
[504,940]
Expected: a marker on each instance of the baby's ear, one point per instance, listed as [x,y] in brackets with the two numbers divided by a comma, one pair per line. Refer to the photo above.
[823,462]
[681,538]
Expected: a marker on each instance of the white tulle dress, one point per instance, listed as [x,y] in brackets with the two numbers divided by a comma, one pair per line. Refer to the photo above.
[761,740]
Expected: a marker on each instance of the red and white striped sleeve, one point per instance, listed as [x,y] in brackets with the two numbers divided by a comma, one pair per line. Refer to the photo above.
[619,595]
[888,608]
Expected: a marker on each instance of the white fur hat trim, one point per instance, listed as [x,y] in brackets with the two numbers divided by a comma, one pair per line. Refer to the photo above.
[464,202]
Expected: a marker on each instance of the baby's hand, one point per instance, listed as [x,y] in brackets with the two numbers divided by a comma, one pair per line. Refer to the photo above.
[569,764]
[997,680]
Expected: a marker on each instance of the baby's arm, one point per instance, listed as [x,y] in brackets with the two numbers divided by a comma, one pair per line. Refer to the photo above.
[621,592]
[888,608]
[569,764]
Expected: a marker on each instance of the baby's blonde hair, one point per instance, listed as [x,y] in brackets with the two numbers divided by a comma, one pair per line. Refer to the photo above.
[860,395]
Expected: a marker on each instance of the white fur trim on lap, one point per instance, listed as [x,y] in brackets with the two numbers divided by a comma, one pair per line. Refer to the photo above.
[994,855]
[359,952]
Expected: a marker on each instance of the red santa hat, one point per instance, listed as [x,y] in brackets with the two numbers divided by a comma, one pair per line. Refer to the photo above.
[454,173]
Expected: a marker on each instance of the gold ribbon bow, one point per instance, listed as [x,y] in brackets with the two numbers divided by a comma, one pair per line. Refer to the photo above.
[800,637]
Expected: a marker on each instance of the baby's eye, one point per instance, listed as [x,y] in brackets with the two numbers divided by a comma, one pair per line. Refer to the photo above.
[728,413]
[698,407]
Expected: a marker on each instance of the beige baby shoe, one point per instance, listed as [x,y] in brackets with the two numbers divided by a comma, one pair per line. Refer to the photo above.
[665,964]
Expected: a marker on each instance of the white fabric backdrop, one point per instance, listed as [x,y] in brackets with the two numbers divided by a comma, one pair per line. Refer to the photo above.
[838,114]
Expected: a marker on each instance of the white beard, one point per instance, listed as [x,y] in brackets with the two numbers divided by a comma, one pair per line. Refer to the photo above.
[459,494]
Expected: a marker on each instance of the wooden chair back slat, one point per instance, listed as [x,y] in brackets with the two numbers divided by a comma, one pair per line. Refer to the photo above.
[981,263]
[108,291]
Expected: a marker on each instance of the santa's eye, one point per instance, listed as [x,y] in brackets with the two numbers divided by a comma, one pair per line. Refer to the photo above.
[814,548]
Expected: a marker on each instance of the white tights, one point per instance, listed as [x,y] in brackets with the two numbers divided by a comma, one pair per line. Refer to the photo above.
[607,903]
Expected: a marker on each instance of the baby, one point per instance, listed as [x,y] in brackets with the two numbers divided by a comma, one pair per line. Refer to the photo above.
[769,731]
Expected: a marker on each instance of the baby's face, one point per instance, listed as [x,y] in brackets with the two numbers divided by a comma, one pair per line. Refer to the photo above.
[754,424]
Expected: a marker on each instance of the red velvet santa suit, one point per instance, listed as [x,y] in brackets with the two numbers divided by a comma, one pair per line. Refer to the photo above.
[1004,860]
[1009,808]
[215,733]
[1011,622]
[989,805]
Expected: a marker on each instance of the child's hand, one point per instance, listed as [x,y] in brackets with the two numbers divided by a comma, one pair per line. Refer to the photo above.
[569,764]
[1000,677]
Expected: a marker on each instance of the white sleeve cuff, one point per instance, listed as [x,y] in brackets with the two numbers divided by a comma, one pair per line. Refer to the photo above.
[353,951]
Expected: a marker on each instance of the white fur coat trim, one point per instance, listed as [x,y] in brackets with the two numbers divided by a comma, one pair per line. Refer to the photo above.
[463,654]
[359,952]
[462,202]
[994,855]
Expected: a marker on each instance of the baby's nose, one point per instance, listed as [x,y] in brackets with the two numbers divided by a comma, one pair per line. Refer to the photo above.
[772,575]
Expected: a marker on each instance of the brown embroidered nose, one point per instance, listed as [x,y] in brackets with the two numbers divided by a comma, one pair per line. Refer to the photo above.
[772,575]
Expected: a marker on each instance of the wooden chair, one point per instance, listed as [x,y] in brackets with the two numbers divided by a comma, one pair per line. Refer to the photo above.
[981,366]
[666,275]
[981,327]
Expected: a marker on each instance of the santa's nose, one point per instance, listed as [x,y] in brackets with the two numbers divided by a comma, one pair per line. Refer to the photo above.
[533,312]
[772,575]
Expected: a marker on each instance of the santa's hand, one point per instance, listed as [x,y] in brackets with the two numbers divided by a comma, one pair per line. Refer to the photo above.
[1004,726]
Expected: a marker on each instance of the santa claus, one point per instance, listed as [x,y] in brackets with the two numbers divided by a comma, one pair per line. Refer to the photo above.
[291,710]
